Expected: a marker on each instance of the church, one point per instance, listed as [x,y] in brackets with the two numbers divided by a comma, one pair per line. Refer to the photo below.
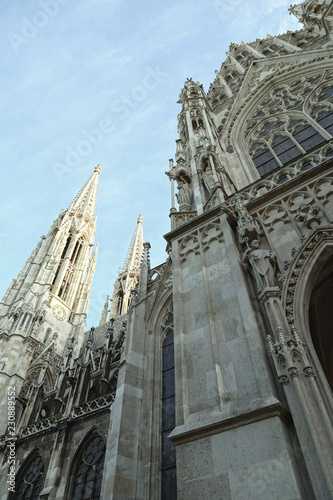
[209,376]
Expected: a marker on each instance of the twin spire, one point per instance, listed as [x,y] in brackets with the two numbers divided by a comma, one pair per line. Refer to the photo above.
[84,203]
[128,276]
[135,252]
[83,206]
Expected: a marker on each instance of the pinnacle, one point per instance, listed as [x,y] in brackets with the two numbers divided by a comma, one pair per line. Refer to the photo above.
[85,201]
[135,251]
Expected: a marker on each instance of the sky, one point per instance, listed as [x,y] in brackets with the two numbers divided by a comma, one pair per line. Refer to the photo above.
[87,82]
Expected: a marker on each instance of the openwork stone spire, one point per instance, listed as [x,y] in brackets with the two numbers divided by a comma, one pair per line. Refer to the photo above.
[85,202]
[128,276]
[135,252]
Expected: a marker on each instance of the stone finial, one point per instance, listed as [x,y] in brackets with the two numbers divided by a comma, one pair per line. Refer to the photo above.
[105,311]
[91,337]
[247,226]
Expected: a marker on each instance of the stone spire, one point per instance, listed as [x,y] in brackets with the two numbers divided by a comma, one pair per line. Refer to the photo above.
[51,294]
[75,238]
[135,252]
[105,311]
[84,203]
[54,285]
[129,274]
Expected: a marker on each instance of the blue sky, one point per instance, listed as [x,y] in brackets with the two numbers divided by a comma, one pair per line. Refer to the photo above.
[97,81]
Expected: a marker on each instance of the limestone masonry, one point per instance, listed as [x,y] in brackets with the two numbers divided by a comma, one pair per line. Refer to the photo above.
[209,376]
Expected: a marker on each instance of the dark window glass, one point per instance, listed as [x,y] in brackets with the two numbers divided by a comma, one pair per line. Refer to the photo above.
[280,143]
[282,179]
[168,413]
[290,154]
[169,484]
[262,158]
[168,357]
[168,322]
[306,166]
[89,470]
[326,121]
[65,248]
[265,162]
[30,481]
[269,166]
[308,138]
[326,93]
[168,450]
[168,459]
[285,149]
[168,383]
[304,134]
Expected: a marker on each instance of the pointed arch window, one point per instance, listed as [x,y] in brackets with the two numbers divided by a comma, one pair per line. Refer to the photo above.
[76,252]
[292,119]
[63,255]
[23,320]
[168,459]
[47,335]
[120,296]
[30,480]
[70,268]
[88,471]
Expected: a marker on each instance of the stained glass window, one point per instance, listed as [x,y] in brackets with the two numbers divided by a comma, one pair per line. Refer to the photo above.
[89,470]
[30,480]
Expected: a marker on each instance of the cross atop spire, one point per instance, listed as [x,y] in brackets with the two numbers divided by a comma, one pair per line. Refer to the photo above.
[85,201]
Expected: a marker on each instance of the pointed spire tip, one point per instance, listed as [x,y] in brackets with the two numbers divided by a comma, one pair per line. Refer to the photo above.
[98,169]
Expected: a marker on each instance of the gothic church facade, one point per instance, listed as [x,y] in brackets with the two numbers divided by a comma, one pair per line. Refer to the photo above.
[209,376]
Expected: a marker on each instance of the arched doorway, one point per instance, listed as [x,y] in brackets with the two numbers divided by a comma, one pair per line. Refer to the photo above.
[321,318]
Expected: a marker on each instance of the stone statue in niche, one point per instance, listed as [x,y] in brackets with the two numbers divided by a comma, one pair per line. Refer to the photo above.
[225,180]
[263,265]
[183,196]
[208,178]
[44,368]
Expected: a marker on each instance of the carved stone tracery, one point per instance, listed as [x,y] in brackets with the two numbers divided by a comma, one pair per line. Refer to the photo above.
[294,117]
[293,274]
